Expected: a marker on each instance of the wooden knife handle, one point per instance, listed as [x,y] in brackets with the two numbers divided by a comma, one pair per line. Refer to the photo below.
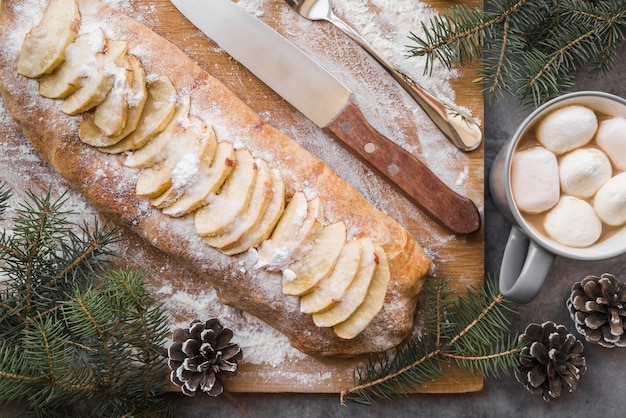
[409,174]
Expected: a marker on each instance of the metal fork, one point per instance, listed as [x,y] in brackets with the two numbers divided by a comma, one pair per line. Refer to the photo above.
[460,129]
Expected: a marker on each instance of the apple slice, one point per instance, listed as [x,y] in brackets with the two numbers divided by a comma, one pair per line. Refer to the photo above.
[110,115]
[95,87]
[232,200]
[309,231]
[252,216]
[80,57]
[152,182]
[184,147]
[211,176]
[331,289]
[124,104]
[154,150]
[294,246]
[132,100]
[155,115]
[273,213]
[44,47]
[373,303]
[136,96]
[188,170]
[357,290]
[318,263]
[273,253]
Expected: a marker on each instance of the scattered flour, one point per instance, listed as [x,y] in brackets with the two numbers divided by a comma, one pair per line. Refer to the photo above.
[260,343]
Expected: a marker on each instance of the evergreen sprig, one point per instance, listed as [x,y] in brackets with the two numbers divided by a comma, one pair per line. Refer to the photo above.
[529,48]
[5,194]
[73,331]
[44,257]
[471,332]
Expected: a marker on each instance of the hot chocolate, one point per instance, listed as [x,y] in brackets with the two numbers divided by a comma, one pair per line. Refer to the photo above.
[559,168]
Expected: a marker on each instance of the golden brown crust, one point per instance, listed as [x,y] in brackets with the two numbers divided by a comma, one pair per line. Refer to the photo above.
[105,182]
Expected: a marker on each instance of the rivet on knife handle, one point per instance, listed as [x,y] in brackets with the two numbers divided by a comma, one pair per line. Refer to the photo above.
[456,212]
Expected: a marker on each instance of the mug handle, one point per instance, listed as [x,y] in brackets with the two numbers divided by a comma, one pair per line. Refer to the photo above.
[524,269]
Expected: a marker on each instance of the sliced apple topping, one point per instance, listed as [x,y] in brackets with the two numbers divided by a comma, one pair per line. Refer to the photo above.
[332,289]
[93,88]
[118,115]
[156,113]
[80,58]
[212,173]
[44,47]
[188,170]
[273,253]
[318,263]
[252,216]
[292,243]
[275,209]
[136,96]
[110,115]
[357,290]
[374,300]
[309,231]
[232,200]
[156,148]
[181,152]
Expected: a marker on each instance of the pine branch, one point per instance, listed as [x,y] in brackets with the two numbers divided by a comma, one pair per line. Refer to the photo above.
[503,358]
[41,368]
[71,329]
[471,332]
[586,35]
[88,315]
[43,259]
[5,195]
[532,48]
[86,253]
[453,37]
[143,327]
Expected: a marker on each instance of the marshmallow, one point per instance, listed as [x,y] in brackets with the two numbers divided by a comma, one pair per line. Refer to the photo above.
[567,128]
[611,137]
[573,222]
[610,201]
[535,180]
[584,171]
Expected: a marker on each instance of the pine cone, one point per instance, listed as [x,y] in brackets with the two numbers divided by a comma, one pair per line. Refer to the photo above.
[201,356]
[551,360]
[598,307]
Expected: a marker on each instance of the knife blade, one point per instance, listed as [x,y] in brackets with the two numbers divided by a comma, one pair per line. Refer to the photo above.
[328,103]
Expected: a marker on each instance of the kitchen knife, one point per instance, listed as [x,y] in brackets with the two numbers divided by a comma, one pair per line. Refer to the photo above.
[327,102]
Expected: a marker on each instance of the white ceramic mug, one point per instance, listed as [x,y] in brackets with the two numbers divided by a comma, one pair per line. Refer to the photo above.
[529,255]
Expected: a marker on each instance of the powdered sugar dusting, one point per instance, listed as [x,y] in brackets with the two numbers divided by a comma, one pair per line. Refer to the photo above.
[185,171]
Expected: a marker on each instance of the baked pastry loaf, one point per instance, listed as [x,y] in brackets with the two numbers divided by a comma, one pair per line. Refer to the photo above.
[131,168]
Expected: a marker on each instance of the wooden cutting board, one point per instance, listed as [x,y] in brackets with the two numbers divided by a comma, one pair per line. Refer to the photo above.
[459,258]
[455,257]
